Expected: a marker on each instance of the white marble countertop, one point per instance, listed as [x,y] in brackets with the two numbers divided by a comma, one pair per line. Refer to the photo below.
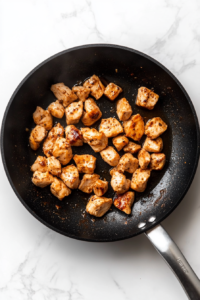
[37,263]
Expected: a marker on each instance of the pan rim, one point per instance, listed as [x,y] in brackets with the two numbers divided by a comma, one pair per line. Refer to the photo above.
[104,46]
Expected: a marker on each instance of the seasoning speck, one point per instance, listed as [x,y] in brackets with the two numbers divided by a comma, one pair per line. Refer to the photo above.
[27,129]
[116,70]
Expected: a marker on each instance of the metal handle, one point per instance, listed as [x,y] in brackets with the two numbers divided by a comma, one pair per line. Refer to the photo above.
[173,256]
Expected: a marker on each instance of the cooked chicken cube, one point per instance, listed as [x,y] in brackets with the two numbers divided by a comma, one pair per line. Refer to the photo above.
[134,127]
[63,93]
[54,166]
[110,156]
[56,109]
[124,202]
[70,176]
[81,92]
[74,112]
[56,131]
[128,163]
[73,136]
[113,170]
[140,179]
[155,127]
[112,91]
[59,189]
[120,141]
[146,98]
[144,159]
[98,206]
[124,110]
[88,182]
[40,164]
[153,145]
[37,135]
[96,86]
[132,148]
[97,140]
[62,151]
[119,182]
[92,112]
[42,179]
[157,161]
[100,187]
[43,118]
[85,163]
[110,127]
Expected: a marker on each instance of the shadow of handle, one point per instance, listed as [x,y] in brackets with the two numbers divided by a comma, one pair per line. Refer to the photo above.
[175,259]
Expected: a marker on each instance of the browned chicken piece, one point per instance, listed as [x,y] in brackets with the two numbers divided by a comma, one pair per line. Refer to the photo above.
[59,189]
[155,127]
[73,136]
[124,110]
[97,140]
[119,182]
[112,91]
[98,206]
[144,159]
[56,131]
[124,202]
[153,145]
[63,93]
[43,118]
[92,112]
[134,127]
[100,187]
[37,135]
[120,141]
[56,109]
[132,148]
[110,156]
[113,170]
[70,176]
[128,163]
[74,112]
[81,92]
[62,151]
[40,164]
[110,127]
[54,166]
[42,179]
[140,179]
[146,98]
[96,87]
[88,182]
[85,163]
[157,161]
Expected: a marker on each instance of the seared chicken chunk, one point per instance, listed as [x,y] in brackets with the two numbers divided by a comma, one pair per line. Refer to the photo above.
[59,189]
[96,87]
[113,170]
[128,163]
[56,131]
[63,93]
[157,161]
[155,127]
[144,159]
[81,92]
[119,182]
[37,135]
[112,91]
[92,112]
[40,164]
[70,176]
[100,187]
[88,182]
[124,202]
[73,136]
[62,151]
[153,145]
[124,110]
[43,118]
[98,206]
[56,109]
[42,179]
[132,148]
[146,98]
[97,140]
[85,163]
[134,127]
[110,127]
[120,141]
[110,156]
[140,179]
[74,112]
[54,166]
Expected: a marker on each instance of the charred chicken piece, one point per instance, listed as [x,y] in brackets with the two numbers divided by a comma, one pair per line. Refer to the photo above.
[63,93]
[124,202]
[98,206]
[96,87]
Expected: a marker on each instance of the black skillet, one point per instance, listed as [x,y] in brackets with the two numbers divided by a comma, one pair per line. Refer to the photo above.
[129,69]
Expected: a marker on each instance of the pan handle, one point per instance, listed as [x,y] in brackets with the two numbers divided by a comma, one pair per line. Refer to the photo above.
[175,259]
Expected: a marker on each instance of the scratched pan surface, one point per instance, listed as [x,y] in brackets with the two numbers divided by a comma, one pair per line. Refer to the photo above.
[129,69]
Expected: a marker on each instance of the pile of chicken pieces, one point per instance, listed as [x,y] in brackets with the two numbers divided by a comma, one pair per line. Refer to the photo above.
[54,169]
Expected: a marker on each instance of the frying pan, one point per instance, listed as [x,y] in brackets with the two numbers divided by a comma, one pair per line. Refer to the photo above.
[129,69]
